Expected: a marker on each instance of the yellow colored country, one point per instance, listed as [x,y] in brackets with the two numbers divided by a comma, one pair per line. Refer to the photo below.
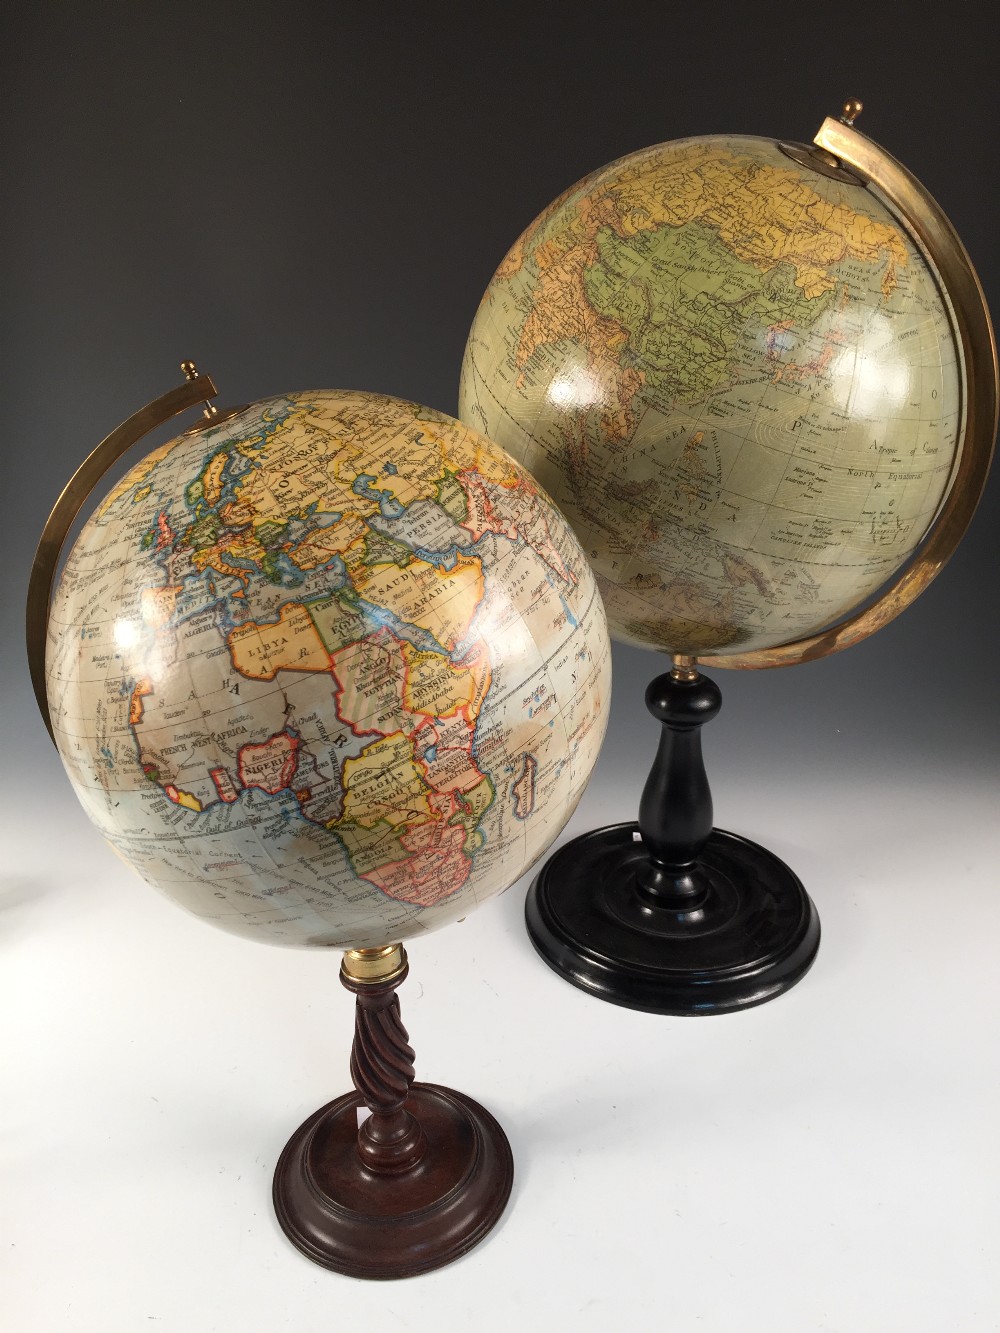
[384,784]
[441,601]
[292,643]
[764,214]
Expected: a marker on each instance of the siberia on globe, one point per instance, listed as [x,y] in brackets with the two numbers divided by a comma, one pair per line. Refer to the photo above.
[330,672]
[739,379]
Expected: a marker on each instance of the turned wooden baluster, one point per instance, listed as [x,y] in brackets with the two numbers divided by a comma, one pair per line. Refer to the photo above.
[390,1140]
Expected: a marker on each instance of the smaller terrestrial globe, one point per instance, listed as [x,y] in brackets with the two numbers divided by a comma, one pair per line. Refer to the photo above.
[737,376]
[331,672]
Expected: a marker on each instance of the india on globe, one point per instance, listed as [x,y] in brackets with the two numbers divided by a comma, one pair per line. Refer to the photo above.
[738,377]
[330,672]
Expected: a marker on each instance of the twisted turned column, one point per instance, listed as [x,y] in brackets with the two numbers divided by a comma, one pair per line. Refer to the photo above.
[390,1140]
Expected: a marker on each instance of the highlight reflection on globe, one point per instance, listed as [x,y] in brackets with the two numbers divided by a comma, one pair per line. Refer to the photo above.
[738,378]
[331,672]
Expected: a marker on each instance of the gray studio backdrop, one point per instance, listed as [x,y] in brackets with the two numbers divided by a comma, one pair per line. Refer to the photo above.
[316,196]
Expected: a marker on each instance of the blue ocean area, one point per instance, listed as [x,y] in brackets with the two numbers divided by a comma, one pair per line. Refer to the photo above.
[379,617]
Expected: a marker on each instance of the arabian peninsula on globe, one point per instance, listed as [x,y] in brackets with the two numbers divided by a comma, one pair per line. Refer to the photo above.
[737,377]
[330,672]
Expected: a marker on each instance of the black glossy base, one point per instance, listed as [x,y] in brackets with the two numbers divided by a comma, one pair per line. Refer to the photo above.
[755,934]
[345,1217]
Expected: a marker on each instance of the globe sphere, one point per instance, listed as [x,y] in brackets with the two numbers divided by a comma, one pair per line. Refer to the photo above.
[739,379]
[332,672]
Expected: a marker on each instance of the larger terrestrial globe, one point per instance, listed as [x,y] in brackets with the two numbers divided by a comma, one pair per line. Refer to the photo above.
[738,378]
[329,673]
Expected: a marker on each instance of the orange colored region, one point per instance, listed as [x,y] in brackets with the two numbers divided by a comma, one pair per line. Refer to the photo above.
[143,687]
[165,533]
[224,784]
[441,601]
[271,764]
[436,868]
[157,604]
[182,798]
[518,253]
[764,213]
[236,515]
[561,309]
[521,515]
[291,643]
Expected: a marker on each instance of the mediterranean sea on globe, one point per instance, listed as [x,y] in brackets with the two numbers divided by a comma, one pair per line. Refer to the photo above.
[737,377]
[329,673]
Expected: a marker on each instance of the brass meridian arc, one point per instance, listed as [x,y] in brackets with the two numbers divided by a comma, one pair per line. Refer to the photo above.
[197,389]
[923,217]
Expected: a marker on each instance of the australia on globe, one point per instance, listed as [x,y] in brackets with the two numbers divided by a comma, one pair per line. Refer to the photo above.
[738,378]
[330,672]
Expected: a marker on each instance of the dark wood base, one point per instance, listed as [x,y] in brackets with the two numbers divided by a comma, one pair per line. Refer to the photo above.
[378,1225]
[750,933]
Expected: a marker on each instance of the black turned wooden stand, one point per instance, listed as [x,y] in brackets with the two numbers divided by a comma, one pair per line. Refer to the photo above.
[422,1180]
[671,915]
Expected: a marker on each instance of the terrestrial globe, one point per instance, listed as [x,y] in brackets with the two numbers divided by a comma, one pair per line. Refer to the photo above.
[760,380]
[331,670]
[330,673]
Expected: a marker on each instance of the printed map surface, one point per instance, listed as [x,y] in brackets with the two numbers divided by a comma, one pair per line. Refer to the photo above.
[330,673]
[738,379]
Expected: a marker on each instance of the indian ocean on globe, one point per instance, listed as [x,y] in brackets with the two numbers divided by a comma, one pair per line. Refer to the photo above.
[329,673]
[736,375]
[760,381]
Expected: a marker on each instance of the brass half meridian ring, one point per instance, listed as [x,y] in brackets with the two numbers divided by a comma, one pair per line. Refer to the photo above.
[197,390]
[922,217]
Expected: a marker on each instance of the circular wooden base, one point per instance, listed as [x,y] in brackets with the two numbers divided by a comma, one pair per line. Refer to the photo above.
[346,1217]
[753,936]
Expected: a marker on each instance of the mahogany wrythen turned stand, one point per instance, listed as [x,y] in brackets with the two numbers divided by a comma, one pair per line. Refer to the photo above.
[419,1181]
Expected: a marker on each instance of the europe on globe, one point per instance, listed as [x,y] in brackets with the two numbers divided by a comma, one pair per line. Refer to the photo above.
[737,375]
[329,672]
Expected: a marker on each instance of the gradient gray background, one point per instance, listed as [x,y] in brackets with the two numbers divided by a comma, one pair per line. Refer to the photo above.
[301,196]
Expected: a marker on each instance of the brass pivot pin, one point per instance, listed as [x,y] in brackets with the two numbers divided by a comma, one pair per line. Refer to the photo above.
[190,372]
[851,110]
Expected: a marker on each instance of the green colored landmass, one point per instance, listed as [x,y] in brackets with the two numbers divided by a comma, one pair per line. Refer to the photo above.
[383,550]
[337,621]
[685,302]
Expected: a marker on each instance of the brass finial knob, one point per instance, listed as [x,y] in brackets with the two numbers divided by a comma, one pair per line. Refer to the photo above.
[189,370]
[852,109]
